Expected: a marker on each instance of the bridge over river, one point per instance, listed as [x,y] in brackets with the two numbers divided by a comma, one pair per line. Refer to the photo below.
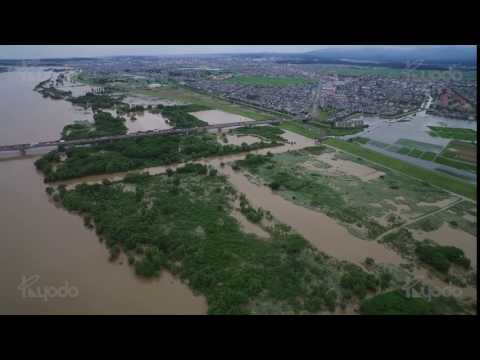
[105,139]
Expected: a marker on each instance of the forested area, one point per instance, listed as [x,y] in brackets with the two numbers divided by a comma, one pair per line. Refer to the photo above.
[182,222]
[179,115]
[105,124]
[136,153]
[95,101]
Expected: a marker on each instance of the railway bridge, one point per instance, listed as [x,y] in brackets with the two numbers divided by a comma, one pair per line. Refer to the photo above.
[105,139]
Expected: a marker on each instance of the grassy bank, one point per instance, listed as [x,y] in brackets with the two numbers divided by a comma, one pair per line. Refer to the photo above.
[431,177]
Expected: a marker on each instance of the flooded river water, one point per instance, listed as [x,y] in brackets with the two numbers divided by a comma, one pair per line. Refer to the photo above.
[48,247]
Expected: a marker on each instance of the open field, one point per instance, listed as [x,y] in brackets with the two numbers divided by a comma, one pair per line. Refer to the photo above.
[268,80]
[456,164]
[419,145]
[182,94]
[443,181]
[453,133]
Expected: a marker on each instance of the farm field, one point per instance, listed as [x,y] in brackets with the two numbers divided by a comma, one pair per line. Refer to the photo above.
[453,133]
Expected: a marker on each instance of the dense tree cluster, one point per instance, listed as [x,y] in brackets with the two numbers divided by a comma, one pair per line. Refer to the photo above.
[179,115]
[129,154]
[95,101]
[271,133]
[441,257]
[182,222]
[397,303]
[105,124]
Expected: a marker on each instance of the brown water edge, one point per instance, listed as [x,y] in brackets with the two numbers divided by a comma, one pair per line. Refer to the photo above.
[448,236]
[38,238]
[320,230]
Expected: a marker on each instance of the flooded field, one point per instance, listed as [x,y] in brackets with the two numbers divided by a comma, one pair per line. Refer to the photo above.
[390,131]
[219,117]
[147,121]
[322,231]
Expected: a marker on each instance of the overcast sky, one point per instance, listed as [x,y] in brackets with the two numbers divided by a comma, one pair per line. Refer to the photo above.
[50,51]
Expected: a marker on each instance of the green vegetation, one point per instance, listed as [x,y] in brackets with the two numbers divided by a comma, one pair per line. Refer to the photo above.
[95,101]
[136,153]
[179,115]
[441,257]
[397,303]
[434,178]
[357,282]
[301,177]
[315,130]
[268,80]
[462,151]
[402,241]
[404,151]
[105,124]
[303,129]
[183,223]
[360,140]
[418,145]
[456,164]
[453,133]
[429,156]
[415,153]
[271,133]
[54,93]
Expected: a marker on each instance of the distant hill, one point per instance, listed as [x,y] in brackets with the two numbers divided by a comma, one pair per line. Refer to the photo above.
[450,54]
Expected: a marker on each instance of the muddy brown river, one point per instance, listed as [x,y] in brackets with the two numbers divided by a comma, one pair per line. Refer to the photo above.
[46,247]
[51,248]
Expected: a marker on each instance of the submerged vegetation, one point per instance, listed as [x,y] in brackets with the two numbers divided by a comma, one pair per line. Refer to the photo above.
[135,153]
[96,101]
[182,222]
[397,303]
[438,257]
[271,133]
[179,115]
[366,208]
[105,124]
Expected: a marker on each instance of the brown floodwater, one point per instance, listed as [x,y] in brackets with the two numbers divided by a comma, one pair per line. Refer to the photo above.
[322,231]
[50,246]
